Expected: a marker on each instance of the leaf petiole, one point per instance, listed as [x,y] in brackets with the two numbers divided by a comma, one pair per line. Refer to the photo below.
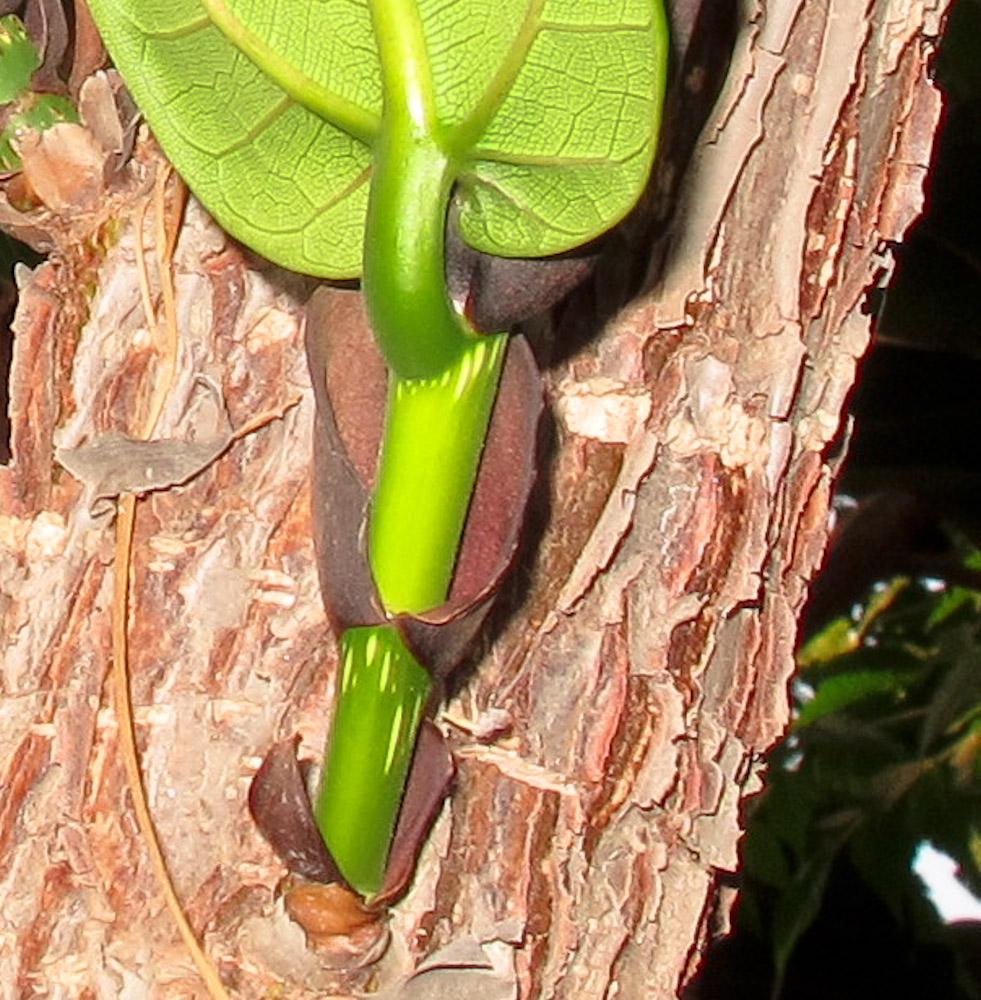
[418,331]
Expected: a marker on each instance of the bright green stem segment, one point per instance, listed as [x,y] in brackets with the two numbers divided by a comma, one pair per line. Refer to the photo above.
[434,436]
[419,332]
[381,695]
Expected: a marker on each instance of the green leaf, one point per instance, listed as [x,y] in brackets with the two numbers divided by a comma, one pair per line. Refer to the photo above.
[856,773]
[780,826]
[959,688]
[558,143]
[18,58]
[843,635]
[547,110]
[839,636]
[956,599]
[265,149]
[844,689]
[36,112]
[882,852]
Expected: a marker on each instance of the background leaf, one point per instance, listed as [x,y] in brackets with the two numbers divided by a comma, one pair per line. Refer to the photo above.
[841,690]
[18,58]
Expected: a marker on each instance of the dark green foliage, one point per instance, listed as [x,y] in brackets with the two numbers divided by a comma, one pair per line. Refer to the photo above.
[885,753]
[885,750]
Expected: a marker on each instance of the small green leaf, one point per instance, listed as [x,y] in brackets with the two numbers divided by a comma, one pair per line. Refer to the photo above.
[959,688]
[18,58]
[839,636]
[844,689]
[954,599]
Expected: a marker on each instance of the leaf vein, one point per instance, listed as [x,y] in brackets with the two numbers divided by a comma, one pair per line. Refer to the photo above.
[346,115]
[466,134]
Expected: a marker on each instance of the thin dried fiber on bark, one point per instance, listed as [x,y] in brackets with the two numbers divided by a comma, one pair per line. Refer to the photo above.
[617,715]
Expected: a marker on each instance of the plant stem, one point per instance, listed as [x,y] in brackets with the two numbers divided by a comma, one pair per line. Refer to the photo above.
[418,330]
[381,694]
[442,384]
[434,436]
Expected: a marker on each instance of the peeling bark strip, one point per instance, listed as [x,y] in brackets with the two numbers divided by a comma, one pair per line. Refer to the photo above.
[643,668]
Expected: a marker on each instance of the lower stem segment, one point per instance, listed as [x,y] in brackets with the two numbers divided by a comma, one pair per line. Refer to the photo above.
[434,438]
[381,694]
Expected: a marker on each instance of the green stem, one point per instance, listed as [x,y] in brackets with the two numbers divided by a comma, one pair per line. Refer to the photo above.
[434,436]
[381,694]
[418,330]
[443,381]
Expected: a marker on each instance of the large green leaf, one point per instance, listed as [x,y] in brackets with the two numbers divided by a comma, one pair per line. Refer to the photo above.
[548,110]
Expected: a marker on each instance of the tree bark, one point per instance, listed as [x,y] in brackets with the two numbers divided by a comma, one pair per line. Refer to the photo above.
[617,713]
